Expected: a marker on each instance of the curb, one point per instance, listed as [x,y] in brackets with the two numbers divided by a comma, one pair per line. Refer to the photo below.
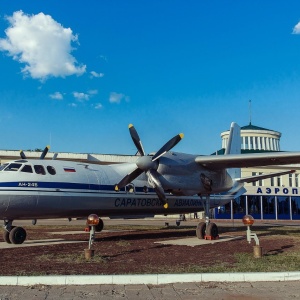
[154,279]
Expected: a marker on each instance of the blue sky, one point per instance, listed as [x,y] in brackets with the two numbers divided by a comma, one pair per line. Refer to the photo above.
[75,74]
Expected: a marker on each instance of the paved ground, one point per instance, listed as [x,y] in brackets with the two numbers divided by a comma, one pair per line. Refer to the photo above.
[186,291]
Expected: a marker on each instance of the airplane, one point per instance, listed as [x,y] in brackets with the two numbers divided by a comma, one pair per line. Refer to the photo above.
[164,182]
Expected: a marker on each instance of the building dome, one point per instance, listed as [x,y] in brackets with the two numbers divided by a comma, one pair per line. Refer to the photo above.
[254,138]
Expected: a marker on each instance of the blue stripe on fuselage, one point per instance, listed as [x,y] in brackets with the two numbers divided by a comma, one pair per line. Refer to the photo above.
[61,186]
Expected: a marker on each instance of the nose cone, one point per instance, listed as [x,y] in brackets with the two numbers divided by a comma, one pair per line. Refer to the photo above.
[145,163]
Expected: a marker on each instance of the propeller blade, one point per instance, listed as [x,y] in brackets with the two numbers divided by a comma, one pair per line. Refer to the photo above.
[128,178]
[168,146]
[45,152]
[22,154]
[153,176]
[54,156]
[136,139]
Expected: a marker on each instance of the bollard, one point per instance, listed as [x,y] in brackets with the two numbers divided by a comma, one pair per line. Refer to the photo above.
[89,253]
[257,251]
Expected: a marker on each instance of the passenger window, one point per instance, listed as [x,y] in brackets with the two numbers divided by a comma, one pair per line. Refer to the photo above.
[39,169]
[51,170]
[13,167]
[27,169]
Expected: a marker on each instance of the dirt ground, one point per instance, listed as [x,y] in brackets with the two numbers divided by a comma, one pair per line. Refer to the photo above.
[128,251]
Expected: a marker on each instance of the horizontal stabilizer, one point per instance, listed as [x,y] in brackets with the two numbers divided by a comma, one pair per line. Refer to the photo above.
[262,176]
[216,162]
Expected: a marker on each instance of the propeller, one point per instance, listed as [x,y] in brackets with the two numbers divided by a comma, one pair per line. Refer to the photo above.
[44,153]
[22,154]
[148,164]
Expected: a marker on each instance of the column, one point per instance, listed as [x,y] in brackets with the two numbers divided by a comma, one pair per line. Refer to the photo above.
[263,144]
[259,143]
[271,144]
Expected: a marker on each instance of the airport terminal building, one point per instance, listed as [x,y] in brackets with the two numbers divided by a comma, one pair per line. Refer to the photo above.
[276,198]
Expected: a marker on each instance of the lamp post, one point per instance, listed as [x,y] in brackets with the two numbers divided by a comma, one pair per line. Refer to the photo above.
[248,220]
[92,221]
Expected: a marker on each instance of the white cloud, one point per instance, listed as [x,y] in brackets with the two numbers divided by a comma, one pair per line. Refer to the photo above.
[81,96]
[93,92]
[98,106]
[56,96]
[296,29]
[73,105]
[42,44]
[97,75]
[117,97]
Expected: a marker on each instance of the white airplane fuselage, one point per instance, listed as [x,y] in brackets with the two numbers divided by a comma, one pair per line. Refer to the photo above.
[72,189]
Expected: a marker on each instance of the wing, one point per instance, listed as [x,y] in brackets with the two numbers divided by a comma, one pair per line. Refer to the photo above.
[248,160]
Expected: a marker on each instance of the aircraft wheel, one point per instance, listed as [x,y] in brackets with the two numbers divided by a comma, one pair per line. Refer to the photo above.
[6,237]
[17,235]
[200,230]
[212,230]
[100,226]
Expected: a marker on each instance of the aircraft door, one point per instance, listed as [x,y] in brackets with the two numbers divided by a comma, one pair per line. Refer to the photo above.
[93,179]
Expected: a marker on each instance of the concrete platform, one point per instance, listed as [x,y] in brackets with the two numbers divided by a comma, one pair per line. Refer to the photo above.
[33,243]
[194,241]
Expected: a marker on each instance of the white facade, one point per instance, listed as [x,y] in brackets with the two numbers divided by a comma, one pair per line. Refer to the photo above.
[255,138]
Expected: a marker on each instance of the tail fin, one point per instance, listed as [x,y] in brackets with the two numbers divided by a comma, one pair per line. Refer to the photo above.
[234,140]
[234,147]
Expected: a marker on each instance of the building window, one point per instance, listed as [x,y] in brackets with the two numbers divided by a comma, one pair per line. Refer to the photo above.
[254,182]
[296,180]
[290,179]
[268,207]
[295,202]
[258,182]
[239,205]
[283,206]
[254,205]
[279,181]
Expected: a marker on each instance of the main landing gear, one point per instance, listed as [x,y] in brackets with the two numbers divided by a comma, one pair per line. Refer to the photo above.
[13,234]
[207,230]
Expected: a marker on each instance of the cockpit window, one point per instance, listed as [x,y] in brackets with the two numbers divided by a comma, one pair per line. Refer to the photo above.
[51,170]
[2,167]
[39,169]
[27,169]
[13,167]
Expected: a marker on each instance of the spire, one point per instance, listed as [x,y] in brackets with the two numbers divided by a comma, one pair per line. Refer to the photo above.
[250,112]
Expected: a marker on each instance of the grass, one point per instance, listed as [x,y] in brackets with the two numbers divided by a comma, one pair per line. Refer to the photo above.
[74,258]
[268,263]
[122,243]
